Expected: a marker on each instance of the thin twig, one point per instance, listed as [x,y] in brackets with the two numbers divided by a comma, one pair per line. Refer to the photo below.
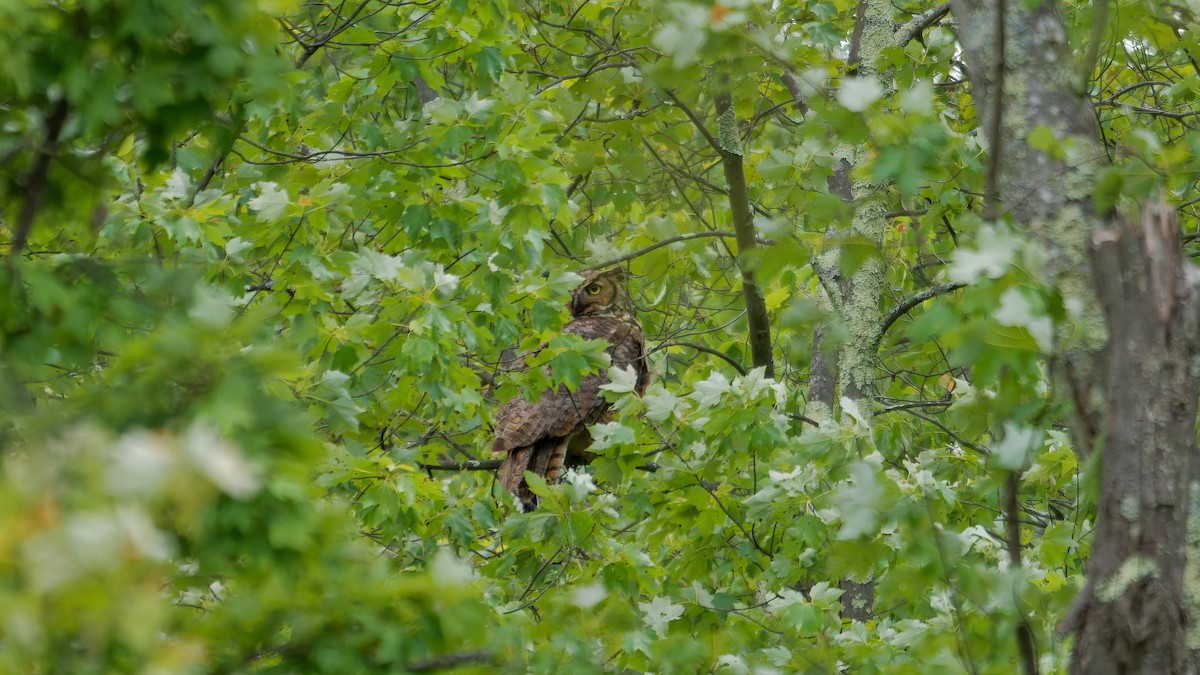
[657,245]
[236,129]
[311,49]
[696,121]
[493,464]
[904,307]
[707,350]
[961,441]
[466,465]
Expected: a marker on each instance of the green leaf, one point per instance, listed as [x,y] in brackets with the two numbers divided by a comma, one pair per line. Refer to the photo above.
[610,434]
[1108,188]
[270,203]
[490,62]
[660,404]
[857,501]
[621,380]
[659,613]
[858,93]
[1042,138]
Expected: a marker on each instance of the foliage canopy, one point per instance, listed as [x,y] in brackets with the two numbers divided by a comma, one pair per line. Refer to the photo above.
[270,261]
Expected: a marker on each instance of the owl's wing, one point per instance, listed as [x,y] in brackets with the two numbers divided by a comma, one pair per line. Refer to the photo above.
[627,343]
[520,423]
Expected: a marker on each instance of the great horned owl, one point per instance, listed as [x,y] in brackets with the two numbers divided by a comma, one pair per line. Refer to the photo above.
[543,435]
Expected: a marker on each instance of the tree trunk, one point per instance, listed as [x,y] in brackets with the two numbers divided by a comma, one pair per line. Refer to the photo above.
[860,291]
[856,296]
[1133,388]
[730,146]
[1049,199]
[1132,616]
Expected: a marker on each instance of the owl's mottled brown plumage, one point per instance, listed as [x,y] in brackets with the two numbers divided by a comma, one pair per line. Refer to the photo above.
[541,436]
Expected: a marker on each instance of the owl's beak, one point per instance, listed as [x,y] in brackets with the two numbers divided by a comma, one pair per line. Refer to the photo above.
[576,305]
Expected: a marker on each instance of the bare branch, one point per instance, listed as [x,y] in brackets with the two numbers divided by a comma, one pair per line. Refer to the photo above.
[920,22]
[467,465]
[451,661]
[904,307]
[707,350]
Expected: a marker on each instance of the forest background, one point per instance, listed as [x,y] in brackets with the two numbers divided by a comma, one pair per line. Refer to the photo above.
[915,281]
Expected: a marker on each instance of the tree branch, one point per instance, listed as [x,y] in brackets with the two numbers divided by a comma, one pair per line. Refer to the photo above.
[707,350]
[952,434]
[36,183]
[920,22]
[1099,26]
[743,225]
[451,661]
[793,86]
[223,150]
[312,48]
[466,465]
[493,464]
[657,245]
[904,307]
[696,121]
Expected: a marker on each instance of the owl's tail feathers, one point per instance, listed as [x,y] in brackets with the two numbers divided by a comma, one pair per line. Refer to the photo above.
[512,471]
[544,458]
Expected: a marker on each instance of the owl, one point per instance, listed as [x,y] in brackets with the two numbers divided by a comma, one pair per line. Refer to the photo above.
[544,435]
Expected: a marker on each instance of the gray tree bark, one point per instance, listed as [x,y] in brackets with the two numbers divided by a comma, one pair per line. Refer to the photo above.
[1132,616]
[1049,199]
[856,296]
[1134,385]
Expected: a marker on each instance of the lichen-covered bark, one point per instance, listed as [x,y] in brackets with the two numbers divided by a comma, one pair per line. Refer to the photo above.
[1039,91]
[1132,616]
[1049,199]
[1134,391]
[1191,568]
[823,370]
[822,374]
[858,294]
[851,371]
[856,366]
[860,291]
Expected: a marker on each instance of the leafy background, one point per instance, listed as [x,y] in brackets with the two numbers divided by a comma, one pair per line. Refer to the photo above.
[280,256]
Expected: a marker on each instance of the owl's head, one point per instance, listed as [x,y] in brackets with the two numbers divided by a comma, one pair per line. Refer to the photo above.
[602,292]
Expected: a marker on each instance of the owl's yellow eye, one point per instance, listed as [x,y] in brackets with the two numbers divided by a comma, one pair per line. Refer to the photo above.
[593,289]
